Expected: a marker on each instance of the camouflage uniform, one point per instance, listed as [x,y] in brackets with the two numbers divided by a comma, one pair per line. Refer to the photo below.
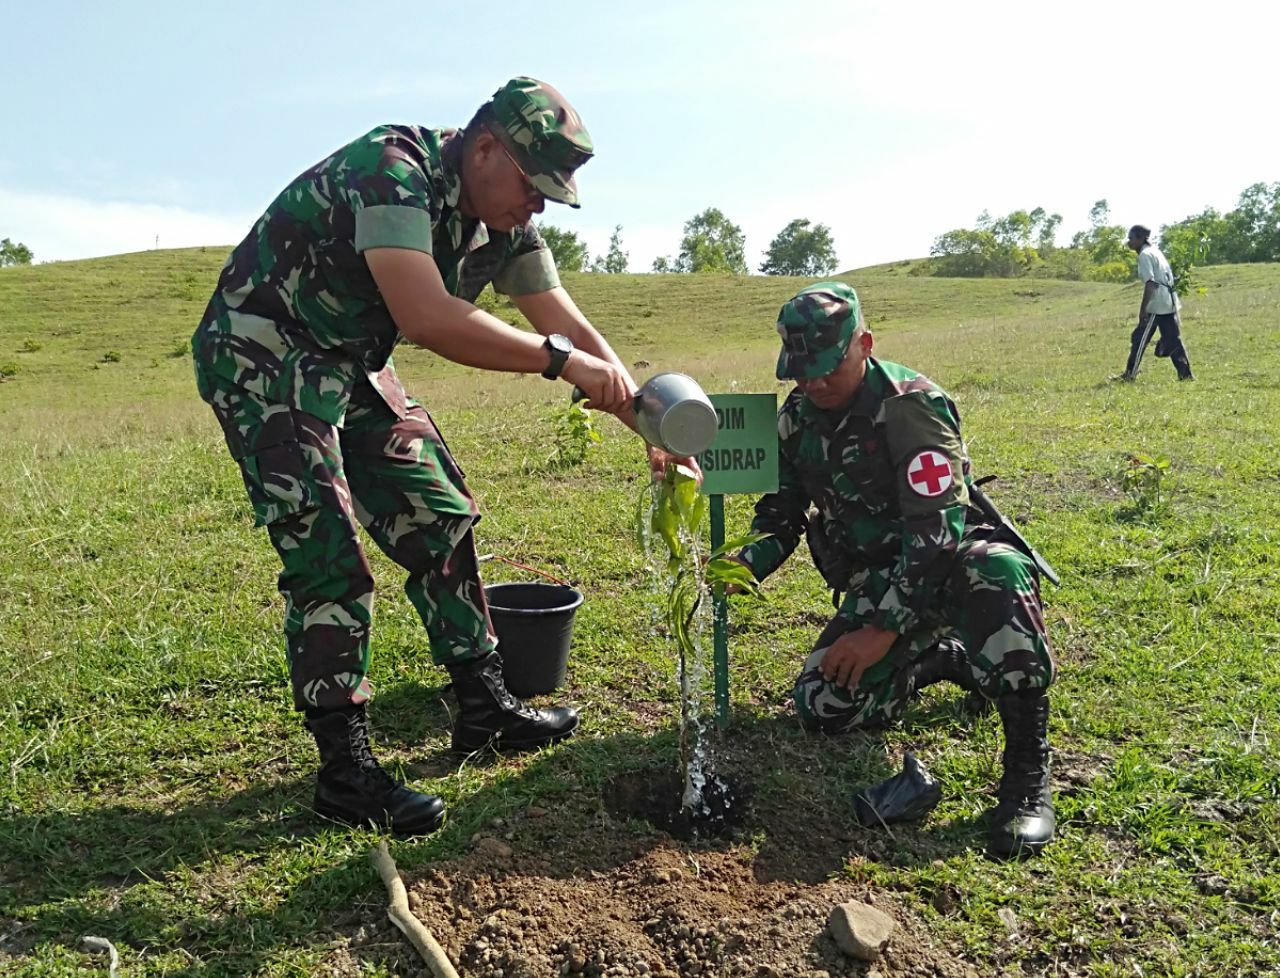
[889,477]
[294,356]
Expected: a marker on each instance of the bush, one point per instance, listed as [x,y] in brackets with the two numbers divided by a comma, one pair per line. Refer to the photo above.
[1063,263]
[30,346]
[111,356]
[7,370]
[575,436]
[1145,480]
[1112,271]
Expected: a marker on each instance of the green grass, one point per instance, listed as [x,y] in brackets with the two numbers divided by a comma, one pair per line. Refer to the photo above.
[155,781]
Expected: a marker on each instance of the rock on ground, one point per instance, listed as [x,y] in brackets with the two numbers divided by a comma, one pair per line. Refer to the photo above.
[859,930]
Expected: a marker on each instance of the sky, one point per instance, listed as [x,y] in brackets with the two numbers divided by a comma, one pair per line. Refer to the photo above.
[130,125]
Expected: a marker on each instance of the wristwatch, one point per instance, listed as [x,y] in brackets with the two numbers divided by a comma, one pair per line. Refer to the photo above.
[559,347]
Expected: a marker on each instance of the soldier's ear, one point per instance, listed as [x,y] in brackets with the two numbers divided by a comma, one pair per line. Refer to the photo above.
[484,147]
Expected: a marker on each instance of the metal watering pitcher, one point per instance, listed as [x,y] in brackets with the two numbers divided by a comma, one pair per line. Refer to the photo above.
[673,413]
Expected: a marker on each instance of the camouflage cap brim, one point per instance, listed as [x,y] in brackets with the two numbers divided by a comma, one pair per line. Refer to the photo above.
[808,366]
[557,187]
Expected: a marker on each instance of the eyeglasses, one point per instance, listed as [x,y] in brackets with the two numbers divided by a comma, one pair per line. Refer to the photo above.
[529,189]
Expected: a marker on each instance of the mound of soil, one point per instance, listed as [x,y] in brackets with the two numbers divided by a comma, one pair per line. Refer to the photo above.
[658,912]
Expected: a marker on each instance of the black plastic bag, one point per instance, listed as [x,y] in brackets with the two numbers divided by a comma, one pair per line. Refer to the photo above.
[908,795]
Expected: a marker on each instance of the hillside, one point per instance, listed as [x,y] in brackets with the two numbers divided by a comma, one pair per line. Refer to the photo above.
[157,784]
[143,307]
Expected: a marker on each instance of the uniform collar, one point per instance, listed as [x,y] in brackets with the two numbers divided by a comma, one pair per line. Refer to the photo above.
[871,392]
[460,227]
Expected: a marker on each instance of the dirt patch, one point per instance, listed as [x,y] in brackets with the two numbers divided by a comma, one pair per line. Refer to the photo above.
[593,883]
[666,912]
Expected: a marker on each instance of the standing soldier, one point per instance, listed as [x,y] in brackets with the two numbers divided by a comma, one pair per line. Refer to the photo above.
[1159,309]
[394,235]
[932,589]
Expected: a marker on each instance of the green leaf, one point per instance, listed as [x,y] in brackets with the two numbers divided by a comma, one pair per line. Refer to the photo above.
[666,523]
[737,543]
[697,514]
[726,572]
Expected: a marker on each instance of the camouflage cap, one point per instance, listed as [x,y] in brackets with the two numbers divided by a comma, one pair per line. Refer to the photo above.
[544,135]
[816,326]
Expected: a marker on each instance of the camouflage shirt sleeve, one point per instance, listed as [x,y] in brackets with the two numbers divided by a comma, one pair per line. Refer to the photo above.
[385,182]
[783,514]
[921,428]
[530,267]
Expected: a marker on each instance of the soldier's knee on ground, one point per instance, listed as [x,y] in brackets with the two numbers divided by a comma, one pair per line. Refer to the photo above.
[824,707]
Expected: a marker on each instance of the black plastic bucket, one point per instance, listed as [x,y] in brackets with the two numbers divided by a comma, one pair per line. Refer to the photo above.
[534,625]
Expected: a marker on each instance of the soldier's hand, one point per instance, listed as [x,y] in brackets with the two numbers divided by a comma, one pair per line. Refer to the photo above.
[658,460]
[854,653]
[606,386]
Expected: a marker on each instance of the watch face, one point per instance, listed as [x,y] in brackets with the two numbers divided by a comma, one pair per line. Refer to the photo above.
[561,344]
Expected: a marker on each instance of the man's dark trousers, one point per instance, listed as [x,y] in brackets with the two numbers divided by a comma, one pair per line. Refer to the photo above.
[1169,345]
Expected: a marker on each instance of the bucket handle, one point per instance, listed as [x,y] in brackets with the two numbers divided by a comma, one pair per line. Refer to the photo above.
[525,567]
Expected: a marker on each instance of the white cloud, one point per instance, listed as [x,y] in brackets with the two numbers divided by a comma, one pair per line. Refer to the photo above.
[57,227]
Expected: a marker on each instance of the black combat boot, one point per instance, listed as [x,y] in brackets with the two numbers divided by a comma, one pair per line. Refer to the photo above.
[352,788]
[1023,821]
[489,716]
[947,661]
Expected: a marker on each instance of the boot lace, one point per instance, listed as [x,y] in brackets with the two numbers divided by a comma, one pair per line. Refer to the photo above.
[362,752]
[506,699]
[1024,780]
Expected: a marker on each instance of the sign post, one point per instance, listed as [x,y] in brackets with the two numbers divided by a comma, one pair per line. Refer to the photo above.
[742,459]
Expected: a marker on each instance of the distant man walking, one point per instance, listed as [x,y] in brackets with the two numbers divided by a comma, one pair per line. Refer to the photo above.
[1159,310]
[394,236]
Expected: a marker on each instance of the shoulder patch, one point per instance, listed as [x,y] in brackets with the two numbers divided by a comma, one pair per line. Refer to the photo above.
[929,473]
[926,450]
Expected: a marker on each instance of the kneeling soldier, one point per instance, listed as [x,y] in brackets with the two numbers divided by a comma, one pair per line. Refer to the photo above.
[932,589]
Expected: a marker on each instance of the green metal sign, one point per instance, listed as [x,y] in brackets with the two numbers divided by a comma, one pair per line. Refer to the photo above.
[744,456]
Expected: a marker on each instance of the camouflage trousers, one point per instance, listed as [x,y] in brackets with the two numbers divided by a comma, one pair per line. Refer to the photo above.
[989,603]
[312,484]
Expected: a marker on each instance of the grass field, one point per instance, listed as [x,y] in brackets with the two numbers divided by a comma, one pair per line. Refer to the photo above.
[155,782]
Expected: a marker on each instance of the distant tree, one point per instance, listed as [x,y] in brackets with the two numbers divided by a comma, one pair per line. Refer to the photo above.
[1198,240]
[969,253]
[616,260]
[1110,260]
[1024,243]
[1044,228]
[800,249]
[712,243]
[1099,213]
[662,265]
[1250,233]
[566,247]
[14,253]
[1256,219]
[998,247]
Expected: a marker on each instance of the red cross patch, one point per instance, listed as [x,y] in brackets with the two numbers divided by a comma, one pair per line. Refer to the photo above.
[929,473]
